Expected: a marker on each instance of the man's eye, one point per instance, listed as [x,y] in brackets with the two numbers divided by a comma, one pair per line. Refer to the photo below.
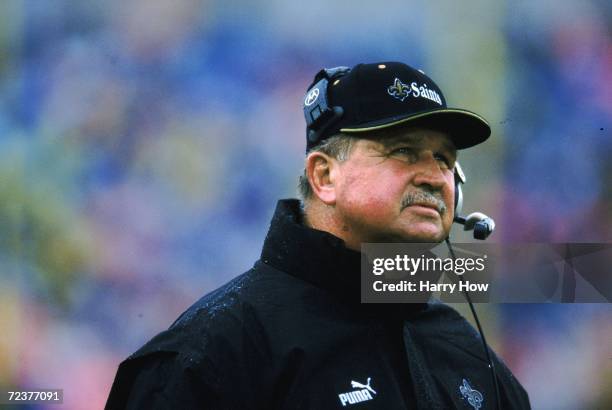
[404,152]
[411,155]
[444,160]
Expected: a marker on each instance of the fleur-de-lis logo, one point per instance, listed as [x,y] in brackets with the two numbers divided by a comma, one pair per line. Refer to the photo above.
[474,397]
[399,90]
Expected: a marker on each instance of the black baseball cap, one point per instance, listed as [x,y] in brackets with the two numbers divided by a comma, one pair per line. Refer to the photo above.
[370,97]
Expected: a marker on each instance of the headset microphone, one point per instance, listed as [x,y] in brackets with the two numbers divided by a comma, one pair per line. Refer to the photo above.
[482,225]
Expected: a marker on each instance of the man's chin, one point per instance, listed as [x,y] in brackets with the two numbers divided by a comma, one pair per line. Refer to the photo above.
[421,239]
[429,234]
[416,227]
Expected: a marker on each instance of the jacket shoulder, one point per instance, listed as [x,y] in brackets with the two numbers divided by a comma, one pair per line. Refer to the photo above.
[218,344]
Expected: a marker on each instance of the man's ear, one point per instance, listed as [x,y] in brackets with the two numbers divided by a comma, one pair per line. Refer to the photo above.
[321,170]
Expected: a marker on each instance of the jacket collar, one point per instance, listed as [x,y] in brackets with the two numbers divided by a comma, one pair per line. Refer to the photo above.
[317,257]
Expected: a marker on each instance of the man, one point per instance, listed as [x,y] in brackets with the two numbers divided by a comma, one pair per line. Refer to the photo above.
[291,332]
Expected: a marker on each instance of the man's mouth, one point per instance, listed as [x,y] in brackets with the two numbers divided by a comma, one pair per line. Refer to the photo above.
[426,205]
[425,210]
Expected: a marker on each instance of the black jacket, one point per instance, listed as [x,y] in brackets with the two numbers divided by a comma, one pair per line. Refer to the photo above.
[291,334]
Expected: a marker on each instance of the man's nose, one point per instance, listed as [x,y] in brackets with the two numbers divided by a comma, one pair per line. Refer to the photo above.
[429,172]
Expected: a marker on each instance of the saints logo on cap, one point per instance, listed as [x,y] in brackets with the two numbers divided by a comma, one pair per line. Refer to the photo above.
[399,90]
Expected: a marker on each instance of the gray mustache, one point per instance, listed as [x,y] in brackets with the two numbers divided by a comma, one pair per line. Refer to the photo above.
[420,196]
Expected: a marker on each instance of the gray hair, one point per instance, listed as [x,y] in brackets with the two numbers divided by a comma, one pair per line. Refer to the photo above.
[337,146]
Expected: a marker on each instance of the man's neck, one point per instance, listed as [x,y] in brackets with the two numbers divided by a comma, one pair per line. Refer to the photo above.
[320,216]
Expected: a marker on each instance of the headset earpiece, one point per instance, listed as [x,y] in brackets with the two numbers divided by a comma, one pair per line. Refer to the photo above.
[459,180]
[319,114]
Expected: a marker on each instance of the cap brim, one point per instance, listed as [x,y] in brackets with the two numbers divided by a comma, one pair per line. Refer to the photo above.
[464,127]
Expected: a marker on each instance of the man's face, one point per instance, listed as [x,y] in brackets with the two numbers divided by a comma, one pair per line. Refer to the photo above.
[398,187]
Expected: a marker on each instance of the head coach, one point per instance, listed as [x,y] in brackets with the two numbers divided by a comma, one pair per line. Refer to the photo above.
[291,332]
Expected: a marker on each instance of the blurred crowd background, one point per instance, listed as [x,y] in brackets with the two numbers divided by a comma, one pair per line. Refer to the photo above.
[144,143]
